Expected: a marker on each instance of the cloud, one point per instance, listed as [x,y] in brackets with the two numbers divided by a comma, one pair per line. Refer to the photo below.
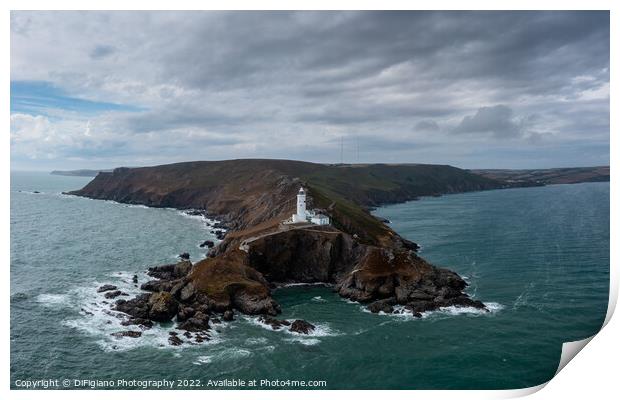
[284,81]
[497,120]
[427,125]
[101,51]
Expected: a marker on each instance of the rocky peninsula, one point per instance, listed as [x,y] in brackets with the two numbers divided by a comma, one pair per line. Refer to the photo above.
[358,255]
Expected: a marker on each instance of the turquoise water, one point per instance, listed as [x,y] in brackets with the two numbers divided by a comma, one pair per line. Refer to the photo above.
[538,256]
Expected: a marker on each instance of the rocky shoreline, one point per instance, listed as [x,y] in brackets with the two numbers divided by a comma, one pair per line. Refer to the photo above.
[231,281]
[171,297]
[358,254]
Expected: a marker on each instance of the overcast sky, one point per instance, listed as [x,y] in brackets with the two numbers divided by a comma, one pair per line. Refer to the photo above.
[474,90]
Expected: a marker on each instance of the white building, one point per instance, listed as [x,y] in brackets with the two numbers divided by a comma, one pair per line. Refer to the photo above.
[303,215]
[320,219]
[300,216]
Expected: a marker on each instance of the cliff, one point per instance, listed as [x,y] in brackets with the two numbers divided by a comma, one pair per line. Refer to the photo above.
[245,193]
[547,176]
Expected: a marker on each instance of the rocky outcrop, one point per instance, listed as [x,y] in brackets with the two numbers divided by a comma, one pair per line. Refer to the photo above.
[131,334]
[301,326]
[162,306]
[386,277]
[229,282]
[105,288]
[361,257]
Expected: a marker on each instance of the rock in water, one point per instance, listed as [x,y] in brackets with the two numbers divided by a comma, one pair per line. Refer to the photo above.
[106,287]
[199,322]
[381,305]
[228,315]
[207,243]
[137,307]
[142,323]
[273,322]
[184,313]
[184,256]
[132,334]
[301,326]
[162,306]
[134,279]
[157,285]
[112,294]
[174,340]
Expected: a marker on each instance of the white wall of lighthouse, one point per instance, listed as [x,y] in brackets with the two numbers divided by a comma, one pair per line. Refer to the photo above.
[300,216]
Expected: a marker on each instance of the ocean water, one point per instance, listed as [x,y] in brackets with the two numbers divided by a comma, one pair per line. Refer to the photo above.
[539,257]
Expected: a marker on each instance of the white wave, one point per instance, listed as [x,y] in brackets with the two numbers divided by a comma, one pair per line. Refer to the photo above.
[404,313]
[320,329]
[229,353]
[319,299]
[258,340]
[305,342]
[97,319]
[136,206]
[203,360]
[305,284]
[52,300]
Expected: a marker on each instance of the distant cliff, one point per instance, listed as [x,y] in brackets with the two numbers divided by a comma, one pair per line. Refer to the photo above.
[79,172]
[547,176]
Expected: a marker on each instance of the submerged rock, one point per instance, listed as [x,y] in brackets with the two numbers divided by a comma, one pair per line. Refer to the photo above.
[207,243]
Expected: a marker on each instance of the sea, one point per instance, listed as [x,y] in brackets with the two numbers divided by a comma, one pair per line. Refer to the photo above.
[538,257]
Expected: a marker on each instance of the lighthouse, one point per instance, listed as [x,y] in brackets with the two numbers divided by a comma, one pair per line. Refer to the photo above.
[300,216]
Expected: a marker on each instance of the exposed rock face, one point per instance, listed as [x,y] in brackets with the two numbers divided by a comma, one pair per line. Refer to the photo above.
[162,306]
[304,255]
[401,277]
[229,282]
[362,257]
[198,322]
[138,307]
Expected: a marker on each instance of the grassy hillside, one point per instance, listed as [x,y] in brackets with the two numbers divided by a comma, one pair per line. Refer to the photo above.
[249,192]
[547,176]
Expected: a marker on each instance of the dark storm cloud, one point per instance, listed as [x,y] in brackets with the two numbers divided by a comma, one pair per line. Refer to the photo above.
[250,79]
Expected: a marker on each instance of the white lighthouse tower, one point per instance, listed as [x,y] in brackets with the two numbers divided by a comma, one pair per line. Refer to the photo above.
[300,216]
